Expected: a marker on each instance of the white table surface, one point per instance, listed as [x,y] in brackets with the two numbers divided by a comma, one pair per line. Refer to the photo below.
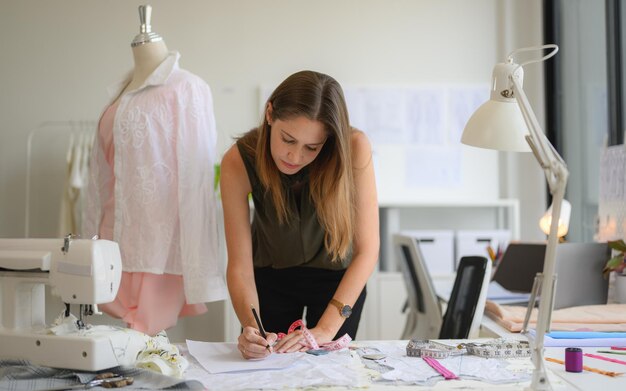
[559,378]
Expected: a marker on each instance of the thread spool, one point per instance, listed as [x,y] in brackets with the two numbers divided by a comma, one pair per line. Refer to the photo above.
[573,359]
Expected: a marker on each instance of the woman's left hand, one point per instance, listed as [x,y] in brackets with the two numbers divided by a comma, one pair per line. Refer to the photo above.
[295,342]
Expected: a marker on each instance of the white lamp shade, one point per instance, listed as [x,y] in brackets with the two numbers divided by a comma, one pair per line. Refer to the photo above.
[546,219]
[498,123]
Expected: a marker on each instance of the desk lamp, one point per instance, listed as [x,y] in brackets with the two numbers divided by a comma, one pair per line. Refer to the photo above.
[546,220]
[502,123]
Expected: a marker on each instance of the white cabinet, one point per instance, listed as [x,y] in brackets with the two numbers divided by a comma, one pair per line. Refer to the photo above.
[389,304]
[476,242]
[487,215]
[437,248]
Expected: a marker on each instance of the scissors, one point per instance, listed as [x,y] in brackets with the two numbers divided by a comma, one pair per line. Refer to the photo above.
[97,382]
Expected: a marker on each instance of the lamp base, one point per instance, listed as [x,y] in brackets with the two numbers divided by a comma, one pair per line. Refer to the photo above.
[540,380]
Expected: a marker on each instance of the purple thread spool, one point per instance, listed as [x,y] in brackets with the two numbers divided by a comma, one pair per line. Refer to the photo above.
[573,359]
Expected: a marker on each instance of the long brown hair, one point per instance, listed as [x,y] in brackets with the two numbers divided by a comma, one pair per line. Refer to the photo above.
[317,97]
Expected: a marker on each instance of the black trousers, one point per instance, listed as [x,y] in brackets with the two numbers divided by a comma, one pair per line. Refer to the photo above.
[283,294]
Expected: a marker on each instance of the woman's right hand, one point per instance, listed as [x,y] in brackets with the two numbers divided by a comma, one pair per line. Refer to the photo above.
[253,346]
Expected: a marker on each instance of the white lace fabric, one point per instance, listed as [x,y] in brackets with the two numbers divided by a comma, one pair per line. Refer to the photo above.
[132,348]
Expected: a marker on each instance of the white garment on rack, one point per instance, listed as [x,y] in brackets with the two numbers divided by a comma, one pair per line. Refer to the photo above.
[77,160]
[165,205]
[66,217]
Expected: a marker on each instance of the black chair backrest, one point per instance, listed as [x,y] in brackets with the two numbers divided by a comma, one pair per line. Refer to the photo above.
[463,301]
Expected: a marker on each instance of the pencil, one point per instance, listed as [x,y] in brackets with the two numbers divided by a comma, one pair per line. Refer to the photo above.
[260,325]
[492,254]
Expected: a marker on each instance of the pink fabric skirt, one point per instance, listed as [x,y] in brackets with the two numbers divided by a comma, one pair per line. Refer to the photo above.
[150,302]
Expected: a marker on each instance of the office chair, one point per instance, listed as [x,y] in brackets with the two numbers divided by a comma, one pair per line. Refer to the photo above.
[465,305]
[424,310]
[467,301]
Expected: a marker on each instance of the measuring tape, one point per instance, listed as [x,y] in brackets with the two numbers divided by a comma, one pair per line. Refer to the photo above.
[432,349]
[500,348]
[310,342]
[497,348]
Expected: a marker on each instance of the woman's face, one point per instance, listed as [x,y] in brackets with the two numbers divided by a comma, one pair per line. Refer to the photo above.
[295,143]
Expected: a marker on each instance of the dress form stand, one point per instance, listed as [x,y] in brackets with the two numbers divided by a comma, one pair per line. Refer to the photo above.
[149,49]
[150,298]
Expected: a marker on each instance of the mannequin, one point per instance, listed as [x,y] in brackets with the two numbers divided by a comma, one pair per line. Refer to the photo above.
[149,50]
[147,58]
[151,189]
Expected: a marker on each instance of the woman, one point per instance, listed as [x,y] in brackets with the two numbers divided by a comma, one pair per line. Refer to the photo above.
[314,240]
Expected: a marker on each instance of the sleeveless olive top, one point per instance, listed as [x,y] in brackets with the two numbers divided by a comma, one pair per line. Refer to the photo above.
[299,242]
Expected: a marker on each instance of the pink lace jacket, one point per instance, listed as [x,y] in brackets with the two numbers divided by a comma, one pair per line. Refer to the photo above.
[165,205]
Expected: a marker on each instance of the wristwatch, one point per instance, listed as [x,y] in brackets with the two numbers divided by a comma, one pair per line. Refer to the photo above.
[344,310]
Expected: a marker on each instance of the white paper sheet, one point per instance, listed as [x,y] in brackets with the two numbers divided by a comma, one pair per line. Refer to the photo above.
[336,369]
[225,357]
[501,295]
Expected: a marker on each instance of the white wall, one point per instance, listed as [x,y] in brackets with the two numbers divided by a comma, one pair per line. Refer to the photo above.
[59,56]
[520,175]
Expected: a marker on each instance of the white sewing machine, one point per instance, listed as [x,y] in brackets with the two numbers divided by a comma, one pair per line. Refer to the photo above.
[86,272]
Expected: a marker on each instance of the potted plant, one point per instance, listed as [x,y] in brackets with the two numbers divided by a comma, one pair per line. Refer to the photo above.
[617,264]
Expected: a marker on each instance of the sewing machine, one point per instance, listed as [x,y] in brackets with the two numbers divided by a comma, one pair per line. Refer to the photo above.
[86,272]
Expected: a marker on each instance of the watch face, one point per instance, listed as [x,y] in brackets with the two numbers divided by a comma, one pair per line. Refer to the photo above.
[346,311]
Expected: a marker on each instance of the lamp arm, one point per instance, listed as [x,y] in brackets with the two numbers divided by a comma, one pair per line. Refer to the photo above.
[549,159]
[556,174]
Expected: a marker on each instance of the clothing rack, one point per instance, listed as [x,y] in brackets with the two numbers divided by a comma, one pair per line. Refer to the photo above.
[69,130]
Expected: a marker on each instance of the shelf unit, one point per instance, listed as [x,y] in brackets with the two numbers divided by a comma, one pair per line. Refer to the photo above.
[496,214]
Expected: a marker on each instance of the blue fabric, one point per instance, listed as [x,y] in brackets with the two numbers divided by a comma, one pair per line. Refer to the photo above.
[585,334]
[576,338]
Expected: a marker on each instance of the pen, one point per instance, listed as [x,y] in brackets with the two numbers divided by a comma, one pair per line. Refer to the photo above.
[613,352]
[258,322]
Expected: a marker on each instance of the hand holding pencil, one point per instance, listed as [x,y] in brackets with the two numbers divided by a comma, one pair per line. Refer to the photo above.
[261,329]
[255,343]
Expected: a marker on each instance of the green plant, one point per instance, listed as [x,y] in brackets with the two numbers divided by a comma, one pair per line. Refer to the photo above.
[618,262]
[216,183]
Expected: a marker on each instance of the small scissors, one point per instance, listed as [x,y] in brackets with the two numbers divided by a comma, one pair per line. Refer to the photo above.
[106,382]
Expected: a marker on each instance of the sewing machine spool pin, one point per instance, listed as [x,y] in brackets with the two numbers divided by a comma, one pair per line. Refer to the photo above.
[67,240]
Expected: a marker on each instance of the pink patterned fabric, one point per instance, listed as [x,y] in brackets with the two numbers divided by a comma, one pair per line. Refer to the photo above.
[146,302]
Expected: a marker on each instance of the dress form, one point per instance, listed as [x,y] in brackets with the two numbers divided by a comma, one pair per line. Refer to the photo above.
[149,50]
[152,294]
[147,58]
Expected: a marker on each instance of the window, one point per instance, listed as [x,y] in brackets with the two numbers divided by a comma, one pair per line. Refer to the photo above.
[584,90]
